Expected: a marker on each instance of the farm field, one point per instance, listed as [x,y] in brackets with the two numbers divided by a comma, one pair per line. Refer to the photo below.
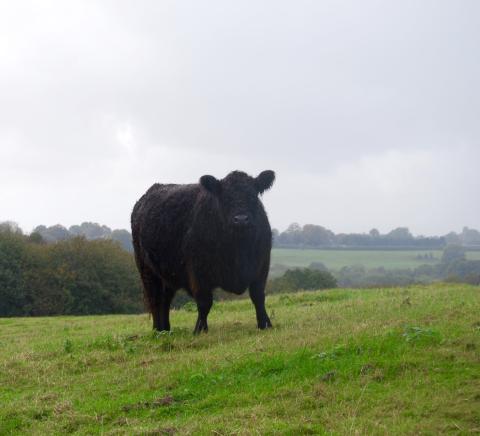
[378,361]
[336,259]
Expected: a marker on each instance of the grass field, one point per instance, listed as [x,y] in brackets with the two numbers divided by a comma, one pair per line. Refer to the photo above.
[343,362]
[336,259]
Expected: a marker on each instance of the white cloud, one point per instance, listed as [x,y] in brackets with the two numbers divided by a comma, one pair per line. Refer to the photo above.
[430,190]
[354,104]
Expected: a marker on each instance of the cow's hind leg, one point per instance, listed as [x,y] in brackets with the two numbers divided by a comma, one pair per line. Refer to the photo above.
[161,318]
[204,304]
[158,296]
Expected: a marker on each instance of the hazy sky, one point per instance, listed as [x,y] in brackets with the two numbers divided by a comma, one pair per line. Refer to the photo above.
[368,111]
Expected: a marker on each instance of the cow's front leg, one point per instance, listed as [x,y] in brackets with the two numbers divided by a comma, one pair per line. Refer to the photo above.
[257,295]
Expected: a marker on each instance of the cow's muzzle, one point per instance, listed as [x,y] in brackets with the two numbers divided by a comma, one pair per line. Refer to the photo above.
[241,220]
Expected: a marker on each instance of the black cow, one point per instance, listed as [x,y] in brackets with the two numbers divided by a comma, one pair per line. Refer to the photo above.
[214,234]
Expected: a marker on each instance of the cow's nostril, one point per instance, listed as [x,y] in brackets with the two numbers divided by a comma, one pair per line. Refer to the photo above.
[240,219]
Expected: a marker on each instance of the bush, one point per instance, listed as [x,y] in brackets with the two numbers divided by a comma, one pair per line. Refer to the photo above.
[13,261]
[74,276]
[452,253]
[301,279]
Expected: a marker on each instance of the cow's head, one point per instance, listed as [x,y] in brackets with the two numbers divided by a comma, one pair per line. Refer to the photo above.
[238,195]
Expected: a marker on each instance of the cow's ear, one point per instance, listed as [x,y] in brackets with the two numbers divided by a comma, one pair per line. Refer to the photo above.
[264,181]
[211,184]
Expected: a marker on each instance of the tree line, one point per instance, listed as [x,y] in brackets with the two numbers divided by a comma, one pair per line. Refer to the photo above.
[88,230]
[74,276]
[91,273]
[315,236]
[78,276]
[295,236]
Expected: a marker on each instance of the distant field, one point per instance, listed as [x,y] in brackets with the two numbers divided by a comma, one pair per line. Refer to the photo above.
[336,259]
[378,361]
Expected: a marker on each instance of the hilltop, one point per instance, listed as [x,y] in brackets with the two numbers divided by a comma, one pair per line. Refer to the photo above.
[376,361]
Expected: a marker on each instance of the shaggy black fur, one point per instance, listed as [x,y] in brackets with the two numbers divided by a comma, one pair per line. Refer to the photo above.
[214,234]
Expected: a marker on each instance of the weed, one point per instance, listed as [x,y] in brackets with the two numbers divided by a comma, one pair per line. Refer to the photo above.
[68,346]
[416,335]
[189,306]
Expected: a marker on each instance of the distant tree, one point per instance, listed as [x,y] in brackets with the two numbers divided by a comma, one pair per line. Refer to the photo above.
[319,266]
[352,275]
[313,235]
[453,238]
[425,272]
[401,233]
[275,234]
[453,253]
[291,236]
[53,233]
[470,236]
[124,238]
[317,236]
[463,271]
[277,269]
[10,226]
[302,279]
[36,238]
[91,230]
[354,240]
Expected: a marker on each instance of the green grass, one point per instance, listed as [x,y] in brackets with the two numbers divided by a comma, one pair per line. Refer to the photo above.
[380,361]
[336,259]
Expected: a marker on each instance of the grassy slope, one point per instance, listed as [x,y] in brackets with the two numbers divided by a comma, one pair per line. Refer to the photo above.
[336,259]
[343,361]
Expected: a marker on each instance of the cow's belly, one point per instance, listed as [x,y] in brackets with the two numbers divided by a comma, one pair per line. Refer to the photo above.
[238,289]
[237,283]
[231,275]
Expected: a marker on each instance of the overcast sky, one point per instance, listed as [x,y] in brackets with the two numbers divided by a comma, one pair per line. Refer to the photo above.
[368,111]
